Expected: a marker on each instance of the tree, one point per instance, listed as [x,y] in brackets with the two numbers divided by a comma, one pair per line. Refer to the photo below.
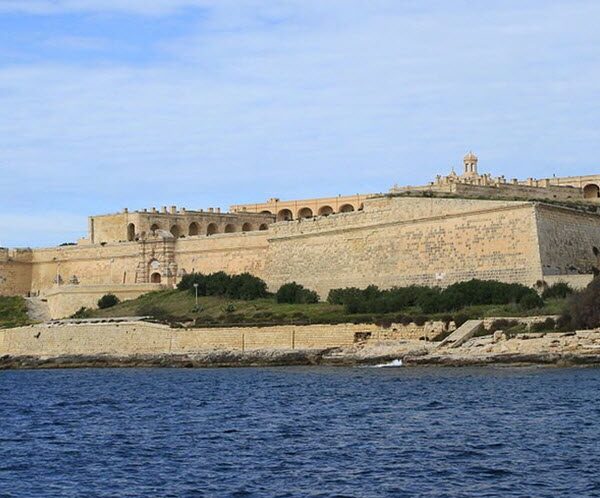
[108,301]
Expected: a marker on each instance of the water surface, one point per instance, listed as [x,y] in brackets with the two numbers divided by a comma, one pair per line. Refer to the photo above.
[283,432]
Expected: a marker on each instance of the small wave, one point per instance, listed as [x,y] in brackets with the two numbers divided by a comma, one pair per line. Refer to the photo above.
[391,364]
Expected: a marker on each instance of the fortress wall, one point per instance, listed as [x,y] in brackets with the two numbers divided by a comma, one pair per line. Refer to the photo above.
[382,210]
[139,338]
[508,190]
[110,227]
[491,241]
[15,271]
[92,265]
[231,253]
[567,240]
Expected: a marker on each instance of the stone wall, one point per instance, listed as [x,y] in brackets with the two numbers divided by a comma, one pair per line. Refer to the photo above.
[129,226]
[409,241]
[393,241]
[141,338]
[512,191]
[65,300]
[231,253]
[569,241]
[15,271]
[113,264]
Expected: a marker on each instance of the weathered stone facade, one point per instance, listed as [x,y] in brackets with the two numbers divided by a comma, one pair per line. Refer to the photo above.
[432,238]
[138,225]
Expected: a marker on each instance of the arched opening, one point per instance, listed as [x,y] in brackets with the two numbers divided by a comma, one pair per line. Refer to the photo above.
[591,191]
[154,228]
[229,228]
[212,228]
[131,232]
[264,226]
[247,227]
[176,231]
[194,229]
[346,208]
[285,215]
[155,278]
[325,210]
[266,211]
[305,213]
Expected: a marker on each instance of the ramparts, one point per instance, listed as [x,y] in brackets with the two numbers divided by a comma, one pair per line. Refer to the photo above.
[393,240]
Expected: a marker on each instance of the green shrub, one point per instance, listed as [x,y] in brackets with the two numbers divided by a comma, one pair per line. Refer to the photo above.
[531,301]
[244,286]
[82,312]
[432,300]
[108,301]
[341,296]
[477,292]
[155,312]
[293,293]
[584,307]
[559,290]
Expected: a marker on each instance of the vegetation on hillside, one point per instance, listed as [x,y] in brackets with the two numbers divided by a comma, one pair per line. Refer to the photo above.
[583,308]
[244,286]
[13,312]
[295,304]
[108,301]
[435,300]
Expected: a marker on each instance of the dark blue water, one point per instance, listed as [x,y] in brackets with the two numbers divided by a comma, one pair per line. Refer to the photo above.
[300,432]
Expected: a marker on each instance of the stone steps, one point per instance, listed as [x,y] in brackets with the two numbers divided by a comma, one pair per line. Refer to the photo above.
[462,334]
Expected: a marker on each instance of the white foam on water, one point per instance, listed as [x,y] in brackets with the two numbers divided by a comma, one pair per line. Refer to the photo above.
[391,364]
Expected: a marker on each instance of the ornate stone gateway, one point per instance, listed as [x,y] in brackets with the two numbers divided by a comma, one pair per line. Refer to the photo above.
[156,262]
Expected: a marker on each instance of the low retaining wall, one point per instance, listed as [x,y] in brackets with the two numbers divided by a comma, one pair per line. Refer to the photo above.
[142,338]
[65,300]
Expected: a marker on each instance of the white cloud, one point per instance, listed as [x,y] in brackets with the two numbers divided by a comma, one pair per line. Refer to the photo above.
[297,98]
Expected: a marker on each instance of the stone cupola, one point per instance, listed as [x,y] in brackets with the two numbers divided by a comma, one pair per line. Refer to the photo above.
[470,162]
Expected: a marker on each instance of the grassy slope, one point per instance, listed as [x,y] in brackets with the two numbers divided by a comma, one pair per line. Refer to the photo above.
[13,312]
[181,305]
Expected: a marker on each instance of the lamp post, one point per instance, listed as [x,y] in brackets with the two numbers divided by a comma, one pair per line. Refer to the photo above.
[196,289]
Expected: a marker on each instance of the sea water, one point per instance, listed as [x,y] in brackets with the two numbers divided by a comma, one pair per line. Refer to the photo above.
[286,432]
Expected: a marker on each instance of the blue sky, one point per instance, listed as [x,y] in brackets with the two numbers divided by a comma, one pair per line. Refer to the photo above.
[106,104]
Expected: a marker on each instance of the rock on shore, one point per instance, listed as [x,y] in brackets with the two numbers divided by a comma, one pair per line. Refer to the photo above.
[573,348]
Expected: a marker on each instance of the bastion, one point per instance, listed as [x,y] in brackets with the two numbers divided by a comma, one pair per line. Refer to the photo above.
[455,228]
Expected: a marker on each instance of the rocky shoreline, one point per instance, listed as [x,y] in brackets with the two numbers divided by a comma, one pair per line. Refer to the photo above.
[559,349]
